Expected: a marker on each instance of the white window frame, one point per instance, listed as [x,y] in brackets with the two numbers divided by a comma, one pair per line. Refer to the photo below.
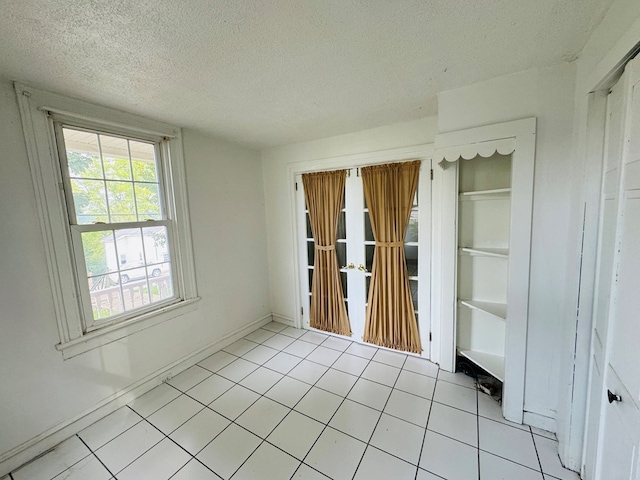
[77,333]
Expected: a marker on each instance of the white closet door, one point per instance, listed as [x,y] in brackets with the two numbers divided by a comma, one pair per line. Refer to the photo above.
[618,324]
[608,216]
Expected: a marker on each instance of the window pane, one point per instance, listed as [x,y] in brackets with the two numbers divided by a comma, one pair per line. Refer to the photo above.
[369,250]
[83,154]
[156,245]
[121,202]
[309,231]
[129,248]
[368,232]
[115,158]
[135,291]
[156,251]
[95,255]
[413,285]
[105,302]
[412,227]
[148,201]
[143,159]
[411,253]
[90,201]
[342,233]
[160,282]
[341,251]
[311,253]
[343,280]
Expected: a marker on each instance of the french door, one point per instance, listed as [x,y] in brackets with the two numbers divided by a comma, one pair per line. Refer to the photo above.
[355,247]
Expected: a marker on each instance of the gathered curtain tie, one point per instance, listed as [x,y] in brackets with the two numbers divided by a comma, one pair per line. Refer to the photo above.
[389,244]
[325,248]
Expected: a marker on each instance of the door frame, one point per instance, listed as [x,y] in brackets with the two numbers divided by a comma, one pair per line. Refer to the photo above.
[517,138]
[422,152]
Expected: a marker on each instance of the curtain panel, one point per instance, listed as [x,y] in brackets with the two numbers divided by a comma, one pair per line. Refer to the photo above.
[324,193]
[390,318]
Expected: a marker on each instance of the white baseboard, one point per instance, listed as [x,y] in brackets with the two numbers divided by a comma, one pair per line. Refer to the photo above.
[539,421]
[18,456]
[283,319]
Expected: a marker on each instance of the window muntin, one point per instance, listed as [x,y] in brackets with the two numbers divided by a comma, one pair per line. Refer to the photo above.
[120,232]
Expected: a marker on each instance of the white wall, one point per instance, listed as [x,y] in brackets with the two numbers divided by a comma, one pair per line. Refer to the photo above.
[276,162]
[39,389]
[547,94]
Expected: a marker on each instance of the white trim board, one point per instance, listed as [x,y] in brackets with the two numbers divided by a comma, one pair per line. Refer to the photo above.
[283,319]
[539,421]
[29,450]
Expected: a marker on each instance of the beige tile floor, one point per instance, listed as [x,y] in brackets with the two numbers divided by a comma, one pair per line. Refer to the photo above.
[285,404]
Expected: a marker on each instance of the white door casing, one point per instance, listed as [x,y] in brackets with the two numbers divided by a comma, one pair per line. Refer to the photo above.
[518,139]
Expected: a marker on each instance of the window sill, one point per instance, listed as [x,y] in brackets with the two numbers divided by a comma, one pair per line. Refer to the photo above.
[112,333]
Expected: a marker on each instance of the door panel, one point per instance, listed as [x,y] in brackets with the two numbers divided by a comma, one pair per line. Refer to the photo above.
[625,355]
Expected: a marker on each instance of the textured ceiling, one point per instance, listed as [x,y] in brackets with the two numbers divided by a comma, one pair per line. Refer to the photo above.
[273,72]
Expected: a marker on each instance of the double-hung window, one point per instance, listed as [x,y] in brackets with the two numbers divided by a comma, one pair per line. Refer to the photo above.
[120,233]
[112,201]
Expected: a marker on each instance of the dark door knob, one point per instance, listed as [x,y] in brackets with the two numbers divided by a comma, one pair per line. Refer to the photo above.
[613,397]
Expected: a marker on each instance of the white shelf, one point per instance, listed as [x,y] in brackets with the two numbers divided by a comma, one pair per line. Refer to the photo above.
[493,364]
[487,252]
[498,310]
[493,191]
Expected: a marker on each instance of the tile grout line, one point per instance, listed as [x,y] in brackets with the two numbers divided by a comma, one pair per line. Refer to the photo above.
[326,425]
[378,422]
[199,411]
[290,410]
[260,396]
[535,447]
[400,369]
[314,385]
[10,474]
[142,419]
[165,437]
[306,358]
[96,457]
[426,428]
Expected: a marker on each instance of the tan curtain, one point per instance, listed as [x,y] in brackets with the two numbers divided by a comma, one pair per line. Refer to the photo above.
[390,320]
[324,192]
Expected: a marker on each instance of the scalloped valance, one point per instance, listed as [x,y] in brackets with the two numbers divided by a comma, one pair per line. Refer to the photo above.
[503,146]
